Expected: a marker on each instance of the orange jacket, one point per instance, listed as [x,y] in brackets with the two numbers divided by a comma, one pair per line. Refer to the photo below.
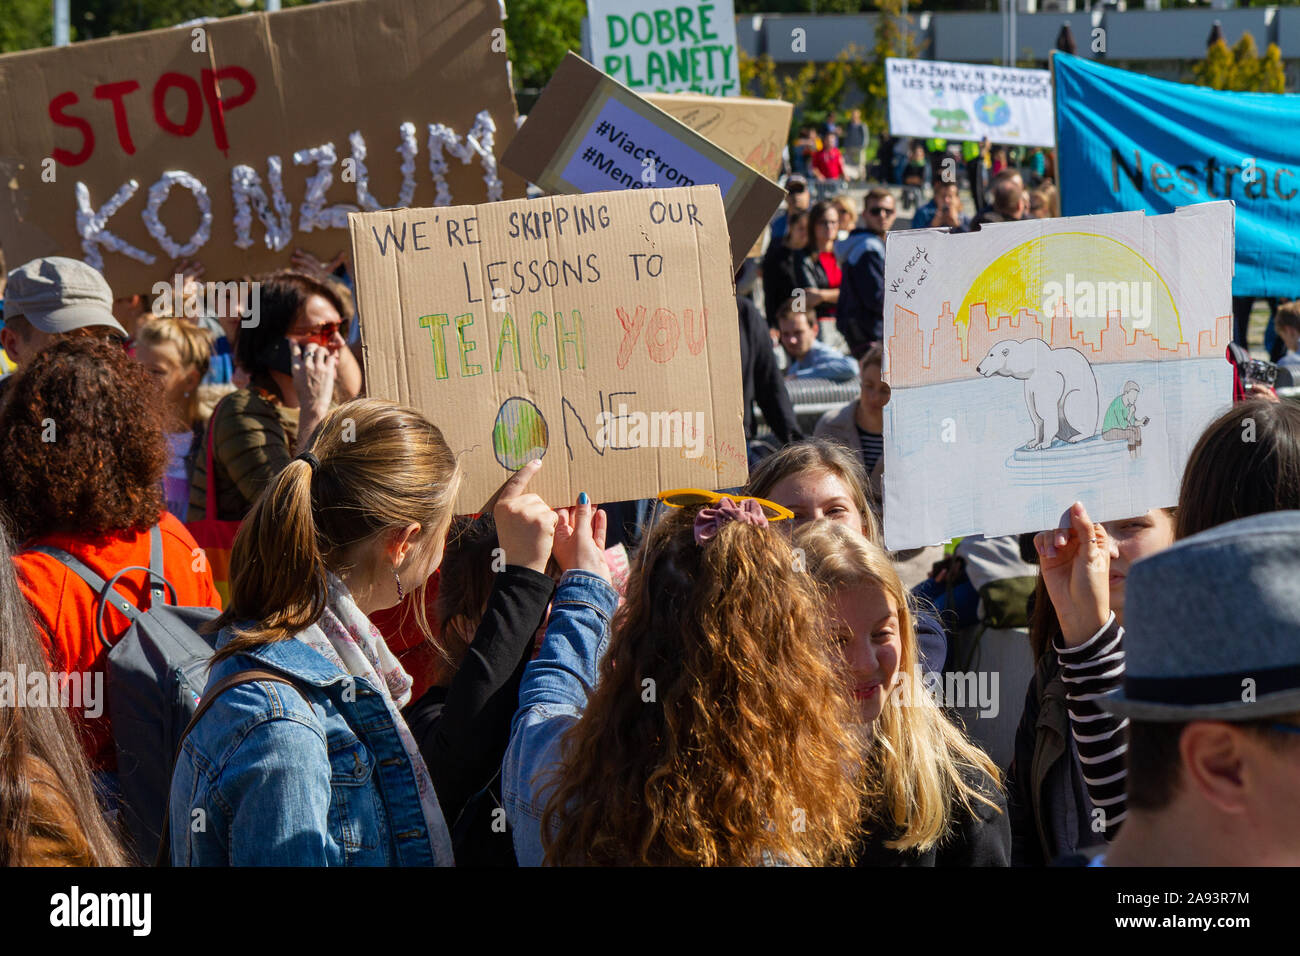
[64,607]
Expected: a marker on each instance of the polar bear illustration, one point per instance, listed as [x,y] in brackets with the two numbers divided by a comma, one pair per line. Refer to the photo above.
[1060,389]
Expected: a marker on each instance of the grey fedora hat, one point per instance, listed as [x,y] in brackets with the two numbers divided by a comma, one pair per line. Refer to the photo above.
[1212,626]
[57,295]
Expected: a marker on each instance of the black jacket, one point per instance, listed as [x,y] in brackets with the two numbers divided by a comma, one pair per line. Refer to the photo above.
[760,379]
[780,277]
[811,274]
[463,730]
[982,838]
[1050,811]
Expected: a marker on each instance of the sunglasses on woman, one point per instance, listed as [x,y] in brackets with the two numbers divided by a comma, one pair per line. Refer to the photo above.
[686,497]
[324,335]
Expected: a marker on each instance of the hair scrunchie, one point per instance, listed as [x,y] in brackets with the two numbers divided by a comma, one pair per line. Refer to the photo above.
[709,520]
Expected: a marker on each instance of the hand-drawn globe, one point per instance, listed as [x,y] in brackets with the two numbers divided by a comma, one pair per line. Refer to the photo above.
[993,109]
[519,433]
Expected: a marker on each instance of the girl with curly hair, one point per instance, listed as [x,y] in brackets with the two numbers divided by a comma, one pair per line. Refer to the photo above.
[716,730]
[82,454]
[935,797]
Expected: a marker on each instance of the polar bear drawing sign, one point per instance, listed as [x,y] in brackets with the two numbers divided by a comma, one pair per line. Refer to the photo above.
[1060,388]
[1012,399]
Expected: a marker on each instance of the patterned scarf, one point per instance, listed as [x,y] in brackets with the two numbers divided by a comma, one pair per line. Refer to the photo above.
[345,637]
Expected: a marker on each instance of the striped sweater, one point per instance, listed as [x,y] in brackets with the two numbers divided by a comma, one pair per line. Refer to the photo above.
[1089,672]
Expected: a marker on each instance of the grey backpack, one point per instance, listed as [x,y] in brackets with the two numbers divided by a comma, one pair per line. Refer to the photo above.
[155,673]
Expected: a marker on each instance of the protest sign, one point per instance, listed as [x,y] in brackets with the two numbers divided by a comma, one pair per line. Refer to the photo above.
[751,129]
[239,139]
[587,133]
[961,101]
[667,46]
[1035,364]
[1135,142]
[598,332]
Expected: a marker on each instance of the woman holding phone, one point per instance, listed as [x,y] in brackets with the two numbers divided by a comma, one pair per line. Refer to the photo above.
[293,355]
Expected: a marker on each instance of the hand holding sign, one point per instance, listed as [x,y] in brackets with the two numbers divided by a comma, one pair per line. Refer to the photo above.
[525,525]
[1075,561]
[580,539]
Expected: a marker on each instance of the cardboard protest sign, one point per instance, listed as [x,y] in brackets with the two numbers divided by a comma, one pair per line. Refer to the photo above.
[667,46]
[1035,364]
[598,332]
[751,129]
[932,98]
[240,139]
[587,133]
[1130,141]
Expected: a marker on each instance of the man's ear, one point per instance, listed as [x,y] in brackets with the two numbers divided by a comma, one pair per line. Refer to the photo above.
[1216,765]
[12,344]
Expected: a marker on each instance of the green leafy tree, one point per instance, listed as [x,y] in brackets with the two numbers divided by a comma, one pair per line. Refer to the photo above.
[1241,68]
[1272,77]
[758,76]
[25,24]
[1245,64]
[892,40]
[1215,71]
[539,33]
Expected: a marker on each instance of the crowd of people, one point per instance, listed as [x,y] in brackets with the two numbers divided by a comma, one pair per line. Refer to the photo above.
[394,684]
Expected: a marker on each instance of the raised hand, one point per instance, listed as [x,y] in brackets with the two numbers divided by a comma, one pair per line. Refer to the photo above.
[314,369]
[1075,562]
[580,539]
[525,524]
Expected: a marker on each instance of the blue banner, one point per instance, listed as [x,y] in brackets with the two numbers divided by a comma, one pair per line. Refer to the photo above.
[1127,141]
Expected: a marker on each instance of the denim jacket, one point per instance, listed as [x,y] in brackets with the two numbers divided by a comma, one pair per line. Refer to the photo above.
[274,776]
[552,697]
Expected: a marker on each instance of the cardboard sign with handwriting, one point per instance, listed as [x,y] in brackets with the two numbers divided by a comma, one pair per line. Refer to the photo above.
[236,141]
[588,133]
[597,332]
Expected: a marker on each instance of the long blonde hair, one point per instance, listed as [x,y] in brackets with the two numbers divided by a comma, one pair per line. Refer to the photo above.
[381,466]
[720,729]
[818,454]
[917,754]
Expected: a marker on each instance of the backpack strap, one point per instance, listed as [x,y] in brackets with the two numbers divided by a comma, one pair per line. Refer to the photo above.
[102,588]
[234,680]
[156,552]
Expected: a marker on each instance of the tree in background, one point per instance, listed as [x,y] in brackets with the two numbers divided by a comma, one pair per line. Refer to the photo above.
[25,24]
[1241,68]
[539,33]
[1272,76]
[892,40]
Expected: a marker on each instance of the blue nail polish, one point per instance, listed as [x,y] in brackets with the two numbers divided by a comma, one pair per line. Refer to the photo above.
[582,498]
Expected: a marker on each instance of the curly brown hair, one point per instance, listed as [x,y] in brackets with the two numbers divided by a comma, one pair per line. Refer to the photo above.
[749,747]
[82,443]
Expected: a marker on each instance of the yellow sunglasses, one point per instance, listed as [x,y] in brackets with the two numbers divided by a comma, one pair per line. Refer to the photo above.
[686,497]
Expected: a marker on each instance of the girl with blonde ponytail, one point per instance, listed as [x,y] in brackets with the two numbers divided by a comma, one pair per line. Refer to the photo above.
[319,767]
[934,798]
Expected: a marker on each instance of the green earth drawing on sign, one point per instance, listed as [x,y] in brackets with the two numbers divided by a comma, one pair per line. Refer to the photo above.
[950,121]
[519,434]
